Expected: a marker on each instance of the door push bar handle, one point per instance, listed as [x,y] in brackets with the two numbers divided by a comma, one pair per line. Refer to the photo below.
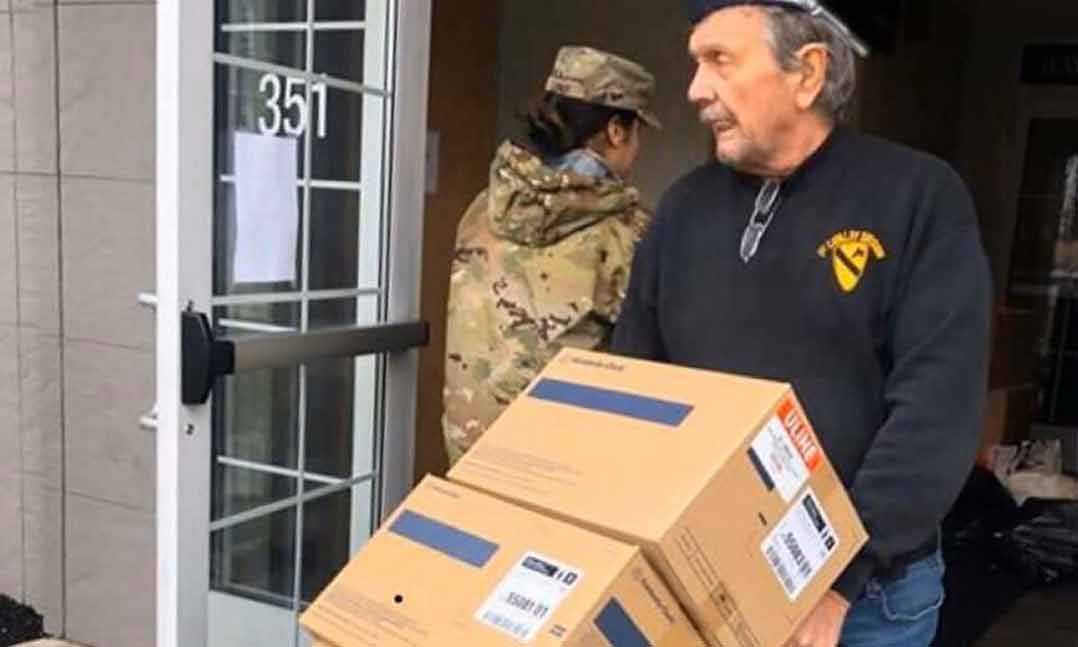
[206,357]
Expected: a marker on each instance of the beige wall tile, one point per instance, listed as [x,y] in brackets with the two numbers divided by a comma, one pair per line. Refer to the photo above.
[107,90]
[109,456]
[35,88]
[40,405]
[7,94]
[110,574]
[108,252]
[43,550]
[38,213]
[9,308]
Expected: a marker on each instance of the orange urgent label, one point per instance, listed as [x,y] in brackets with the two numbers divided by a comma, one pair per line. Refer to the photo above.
[801,434]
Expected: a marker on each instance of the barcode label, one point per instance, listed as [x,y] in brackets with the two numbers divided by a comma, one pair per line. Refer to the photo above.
[501,622]
[800,545]
[535,609]
[780,570]
[803,567]
[528,596]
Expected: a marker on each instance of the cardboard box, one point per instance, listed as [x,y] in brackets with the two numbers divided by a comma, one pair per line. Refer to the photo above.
[453,566]
[719,478]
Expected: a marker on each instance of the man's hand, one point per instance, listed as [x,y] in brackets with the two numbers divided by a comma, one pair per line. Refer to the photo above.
[823,627]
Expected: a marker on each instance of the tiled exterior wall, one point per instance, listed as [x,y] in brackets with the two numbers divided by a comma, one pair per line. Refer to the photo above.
[76,353]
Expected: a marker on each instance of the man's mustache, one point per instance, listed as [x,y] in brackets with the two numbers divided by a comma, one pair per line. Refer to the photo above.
[715,115]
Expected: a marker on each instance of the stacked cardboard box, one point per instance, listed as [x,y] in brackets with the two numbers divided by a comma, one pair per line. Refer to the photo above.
[718,480]
[453,566]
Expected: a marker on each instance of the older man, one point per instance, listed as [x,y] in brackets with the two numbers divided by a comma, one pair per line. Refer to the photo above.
[847,265]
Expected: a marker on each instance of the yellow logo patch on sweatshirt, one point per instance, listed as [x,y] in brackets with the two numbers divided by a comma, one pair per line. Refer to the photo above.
[850,252]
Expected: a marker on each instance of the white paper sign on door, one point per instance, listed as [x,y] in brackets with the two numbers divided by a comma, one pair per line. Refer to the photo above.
[267,209]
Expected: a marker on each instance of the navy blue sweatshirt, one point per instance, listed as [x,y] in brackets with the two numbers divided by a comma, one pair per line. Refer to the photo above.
[870,293]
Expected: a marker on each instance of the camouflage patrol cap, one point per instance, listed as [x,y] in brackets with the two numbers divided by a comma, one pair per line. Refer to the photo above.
[604,79]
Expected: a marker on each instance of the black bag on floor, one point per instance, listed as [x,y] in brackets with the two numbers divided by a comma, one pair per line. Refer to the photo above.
[18,623]
[982,582]
[1044,544]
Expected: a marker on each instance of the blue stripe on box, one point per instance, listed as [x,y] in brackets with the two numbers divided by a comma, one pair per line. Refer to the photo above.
[618,628]
[445,539]
[620,403]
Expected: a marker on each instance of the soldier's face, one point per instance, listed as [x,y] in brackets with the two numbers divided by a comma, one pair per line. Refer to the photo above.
[747,100]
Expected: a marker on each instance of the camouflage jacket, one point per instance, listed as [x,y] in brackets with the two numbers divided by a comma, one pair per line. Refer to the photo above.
[542,261]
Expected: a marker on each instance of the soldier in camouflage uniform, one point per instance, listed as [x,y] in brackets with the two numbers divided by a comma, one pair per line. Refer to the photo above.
[543,254]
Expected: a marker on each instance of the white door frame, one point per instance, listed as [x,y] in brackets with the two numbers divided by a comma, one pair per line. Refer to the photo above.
[407,202]
[185,182]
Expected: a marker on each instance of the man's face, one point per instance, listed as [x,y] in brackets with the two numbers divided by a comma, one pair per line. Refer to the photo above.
[743,94]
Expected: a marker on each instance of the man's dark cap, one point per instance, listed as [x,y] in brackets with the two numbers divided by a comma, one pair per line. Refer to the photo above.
[700,9]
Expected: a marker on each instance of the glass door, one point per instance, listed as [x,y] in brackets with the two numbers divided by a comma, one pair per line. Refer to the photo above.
[303,216]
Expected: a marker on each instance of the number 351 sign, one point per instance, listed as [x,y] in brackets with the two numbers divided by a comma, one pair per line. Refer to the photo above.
[286,106]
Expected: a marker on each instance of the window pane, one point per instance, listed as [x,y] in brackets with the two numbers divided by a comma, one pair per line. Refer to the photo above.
[335,313]
[334,527]
[340,54]
[227,246]
[288,48]
[238,489]
[334,239]
[330,403]
[247,11]
[341,416]
[336,148]
[340,9]
[256,417]
[244,103]
[256,559]
[243,320]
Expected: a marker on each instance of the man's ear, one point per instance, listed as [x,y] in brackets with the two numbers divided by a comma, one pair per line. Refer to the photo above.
[815,60]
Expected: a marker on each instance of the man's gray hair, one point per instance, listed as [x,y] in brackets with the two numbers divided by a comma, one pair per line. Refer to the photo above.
[790,30]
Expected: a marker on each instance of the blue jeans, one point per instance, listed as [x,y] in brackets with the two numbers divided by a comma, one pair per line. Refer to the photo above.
[898,613]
